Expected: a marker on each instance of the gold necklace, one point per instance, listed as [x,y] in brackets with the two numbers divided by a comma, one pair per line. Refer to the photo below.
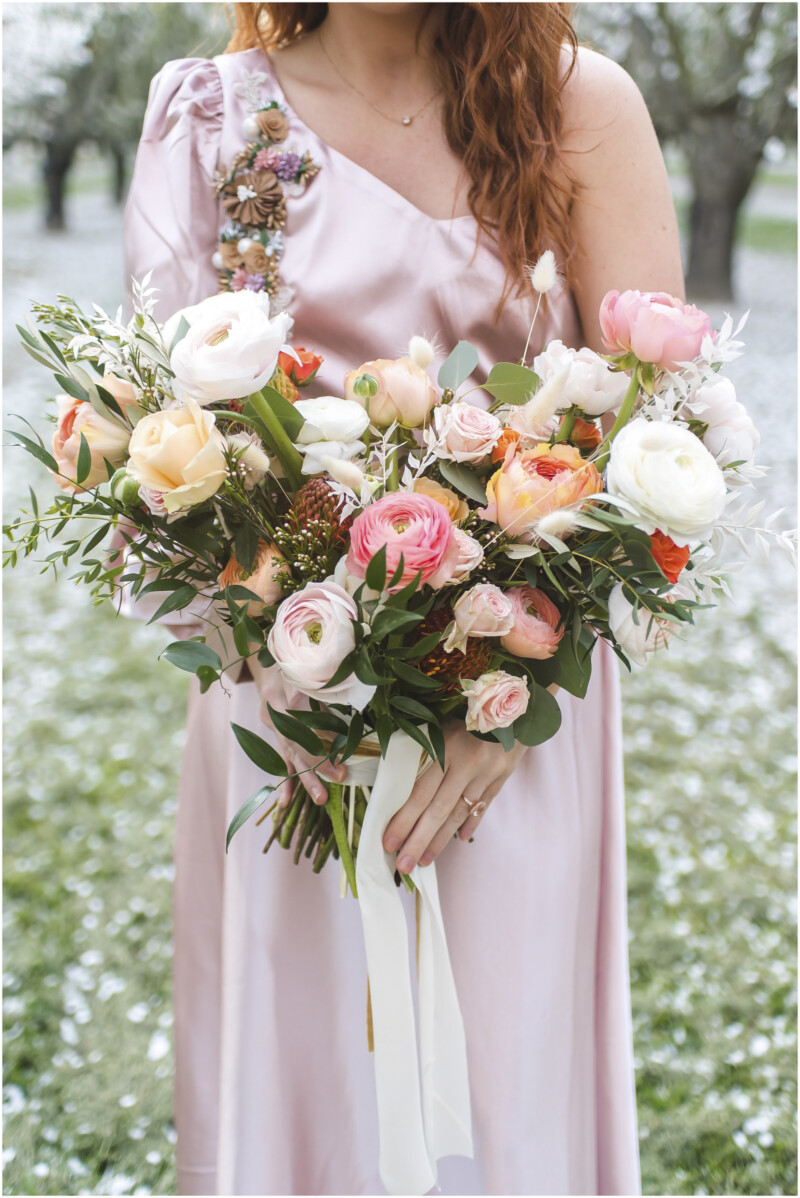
[405,120]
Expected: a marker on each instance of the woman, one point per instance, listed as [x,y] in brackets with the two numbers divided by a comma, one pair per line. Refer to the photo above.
[430,124]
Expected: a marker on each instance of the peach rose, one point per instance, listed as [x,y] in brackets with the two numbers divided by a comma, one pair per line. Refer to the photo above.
[494,700]
[415,527]
[179,455]
[105,438]
[405,392]
[457,508]
[656,327]
[122,391]
[535,482]
[535,632]
[263,581]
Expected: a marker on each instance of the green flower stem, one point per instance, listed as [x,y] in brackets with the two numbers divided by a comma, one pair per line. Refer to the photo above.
[567,425]
[334,809]
[393,477]
[623,416]
[291,460]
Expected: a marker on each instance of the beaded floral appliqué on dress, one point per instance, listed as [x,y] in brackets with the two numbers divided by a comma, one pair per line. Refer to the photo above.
[254,191]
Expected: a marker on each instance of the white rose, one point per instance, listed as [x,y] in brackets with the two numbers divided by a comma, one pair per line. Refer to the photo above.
[231,348]
[668,477]
[637,635]
[179,455]
[590,383]
[731,435]
[465,433]
[311,636]
[330,419]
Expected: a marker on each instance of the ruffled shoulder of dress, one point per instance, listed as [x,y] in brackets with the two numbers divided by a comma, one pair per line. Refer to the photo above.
[185,89]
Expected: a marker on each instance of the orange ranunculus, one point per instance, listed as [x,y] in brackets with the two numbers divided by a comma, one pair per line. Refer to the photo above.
[457,508]
[507,437]
[530,484]
[669,557]
[300,374]
[585,434]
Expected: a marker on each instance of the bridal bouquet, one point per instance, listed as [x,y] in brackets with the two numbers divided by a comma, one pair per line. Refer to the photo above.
[396,556]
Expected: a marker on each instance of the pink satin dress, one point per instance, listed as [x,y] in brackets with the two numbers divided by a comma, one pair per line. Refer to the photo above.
[275,1089]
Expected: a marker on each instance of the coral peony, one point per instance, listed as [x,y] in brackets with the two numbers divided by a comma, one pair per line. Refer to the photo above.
[530,484]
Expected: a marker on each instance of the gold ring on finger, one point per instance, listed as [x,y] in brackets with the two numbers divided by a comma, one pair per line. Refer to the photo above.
[476,806]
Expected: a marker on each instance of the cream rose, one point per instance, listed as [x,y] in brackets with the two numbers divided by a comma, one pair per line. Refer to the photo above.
[494,700]
[405,392]
[231,349]
[668,477]
[179,455]
[590,383]
[465,433]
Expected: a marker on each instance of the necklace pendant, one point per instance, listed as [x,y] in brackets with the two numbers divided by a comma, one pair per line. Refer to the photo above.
[407,120]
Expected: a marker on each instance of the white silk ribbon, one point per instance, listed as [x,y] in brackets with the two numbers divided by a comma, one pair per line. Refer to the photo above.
[423,1093]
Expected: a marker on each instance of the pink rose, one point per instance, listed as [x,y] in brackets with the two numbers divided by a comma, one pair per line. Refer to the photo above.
[408,524]
[105,438]
[311,636]
[470,555]
[405,392]
[482,611]
[465,433]
[494,700]
[535,632]
[655,326]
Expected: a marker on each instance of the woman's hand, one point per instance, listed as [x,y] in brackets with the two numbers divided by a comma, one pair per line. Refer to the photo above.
[436,810]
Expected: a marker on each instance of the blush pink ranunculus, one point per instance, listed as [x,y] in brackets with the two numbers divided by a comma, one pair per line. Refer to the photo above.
[405,392]
[535,632]
[465,433]
[408,524]
[656,327]
[105,438]
[483,610]
[535,482]
[494,700]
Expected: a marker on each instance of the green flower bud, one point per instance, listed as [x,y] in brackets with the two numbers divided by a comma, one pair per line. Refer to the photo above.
[365,386]
[124,488]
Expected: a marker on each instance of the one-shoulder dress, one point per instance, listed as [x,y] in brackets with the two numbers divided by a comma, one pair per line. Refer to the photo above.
[275,1090]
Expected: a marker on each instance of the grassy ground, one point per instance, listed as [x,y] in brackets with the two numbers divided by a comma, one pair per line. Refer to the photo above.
[93,736]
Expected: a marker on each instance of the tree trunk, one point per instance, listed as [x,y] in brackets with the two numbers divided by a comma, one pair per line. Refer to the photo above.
[120,173]
[57,162]
[712,234]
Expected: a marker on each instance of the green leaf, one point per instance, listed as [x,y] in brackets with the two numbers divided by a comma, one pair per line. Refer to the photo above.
[573,665]
[84,463]
[246,810]
[412,707]
[384,726]
[207,676]
[413,676]
[325,720]
[354,734]
[416,734]
[37,451]
[505,736]
[400,598]
[260,753]
[425,645]
[530,571]
[295,730]
[180,333]
[51,345]
[189,655]
[71,387]
[235,591]
[365,671]
[398,574]
[286,412]
[265,658]
[463,479]
[109,401]
[174,602]
[437,742]
[241,639]
[344,671]
[541,721]
[38,356]
[245,546]
[375,577]
[511,383]
[390,619]
[458,365]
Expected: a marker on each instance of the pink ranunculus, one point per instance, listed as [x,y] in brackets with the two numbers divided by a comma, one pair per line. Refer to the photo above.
[494,700]
[535,632]
[656,327]
[465,433]
[105,438]
[481,611]
[405,392]
[311,636]
[408,524]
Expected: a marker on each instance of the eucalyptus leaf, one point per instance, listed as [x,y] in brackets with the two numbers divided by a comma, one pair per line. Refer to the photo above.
[511,383]
[458,365]
[463,479]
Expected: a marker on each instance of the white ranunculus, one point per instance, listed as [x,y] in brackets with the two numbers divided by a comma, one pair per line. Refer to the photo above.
[590,383]
[731,435]
[669,478]
[637,635]
[318,455]
[311,636]
[330,419]
[231,348]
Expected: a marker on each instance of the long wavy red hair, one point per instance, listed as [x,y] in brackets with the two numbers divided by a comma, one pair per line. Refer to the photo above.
[501,68]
